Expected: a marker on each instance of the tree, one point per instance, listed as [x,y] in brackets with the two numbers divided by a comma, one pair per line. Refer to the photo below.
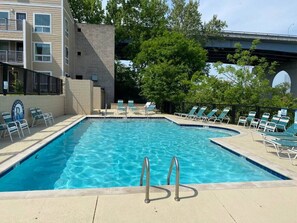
[136,21]
[127,84]
[167,65]
[207,89]
[249,84]
[185,18]
[89,11]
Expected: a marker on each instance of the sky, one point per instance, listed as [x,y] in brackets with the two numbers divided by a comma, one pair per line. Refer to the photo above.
[265,16]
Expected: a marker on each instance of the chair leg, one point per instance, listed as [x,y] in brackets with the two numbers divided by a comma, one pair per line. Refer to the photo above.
[33,122]
[10,136]
[22,132]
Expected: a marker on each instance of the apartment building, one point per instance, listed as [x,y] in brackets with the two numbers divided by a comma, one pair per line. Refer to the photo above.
[43,36]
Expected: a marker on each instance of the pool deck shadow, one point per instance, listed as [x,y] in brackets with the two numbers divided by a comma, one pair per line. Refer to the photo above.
[273,201]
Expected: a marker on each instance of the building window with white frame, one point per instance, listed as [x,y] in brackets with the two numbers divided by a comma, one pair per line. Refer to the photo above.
[42,23]
[42,52]
[66,55]
[4,16]
[66,28]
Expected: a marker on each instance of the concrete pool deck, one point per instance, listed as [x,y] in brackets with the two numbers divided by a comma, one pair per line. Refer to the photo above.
[233,202]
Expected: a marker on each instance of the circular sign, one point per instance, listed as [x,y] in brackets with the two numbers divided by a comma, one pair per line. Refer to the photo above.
[17,110]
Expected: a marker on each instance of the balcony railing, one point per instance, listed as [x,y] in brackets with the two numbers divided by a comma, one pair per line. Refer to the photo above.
[11,24]
[9,56]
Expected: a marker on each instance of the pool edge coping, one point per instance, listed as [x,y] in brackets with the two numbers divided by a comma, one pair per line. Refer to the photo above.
[25,154]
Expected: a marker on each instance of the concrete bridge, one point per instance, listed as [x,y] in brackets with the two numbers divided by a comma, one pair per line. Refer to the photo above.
[274,47]
[280,48]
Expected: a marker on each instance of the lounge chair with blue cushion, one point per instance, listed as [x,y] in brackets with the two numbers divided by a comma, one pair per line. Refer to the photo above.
[281,125]
[289,132]
[151,109]
[269,126]
[132,107]
[191,112]
[223,116]
[21,123]
[245,120]
[121,108]
[199,114]
[210,115]
[284,145]
[256,121]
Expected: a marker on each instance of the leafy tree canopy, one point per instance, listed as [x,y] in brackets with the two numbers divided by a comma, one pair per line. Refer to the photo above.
[185,18]
[167,64]
[88,11]
[245,82]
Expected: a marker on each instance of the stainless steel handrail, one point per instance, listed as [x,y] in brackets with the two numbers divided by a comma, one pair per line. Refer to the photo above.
[146,165]
[174,161]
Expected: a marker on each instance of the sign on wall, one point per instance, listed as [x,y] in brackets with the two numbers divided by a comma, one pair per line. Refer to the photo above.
[17,110]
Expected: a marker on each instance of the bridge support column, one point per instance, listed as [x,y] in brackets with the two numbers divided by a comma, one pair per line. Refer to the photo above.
[291,68]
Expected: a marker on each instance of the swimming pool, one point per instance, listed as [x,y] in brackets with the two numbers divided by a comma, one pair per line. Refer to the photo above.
[100,153]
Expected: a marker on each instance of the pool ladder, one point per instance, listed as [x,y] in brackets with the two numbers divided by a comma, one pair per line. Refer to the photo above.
[146,166]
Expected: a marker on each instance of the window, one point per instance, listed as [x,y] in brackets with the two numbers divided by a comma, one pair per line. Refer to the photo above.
[66,28]
[42,23]
[4,18]
[4,45]
[66,55]
[42,52]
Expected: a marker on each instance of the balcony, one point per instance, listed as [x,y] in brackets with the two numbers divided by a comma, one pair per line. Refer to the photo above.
[11,57]
[11,25]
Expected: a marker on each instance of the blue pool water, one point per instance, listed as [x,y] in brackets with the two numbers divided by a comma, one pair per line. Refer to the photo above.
[101,153]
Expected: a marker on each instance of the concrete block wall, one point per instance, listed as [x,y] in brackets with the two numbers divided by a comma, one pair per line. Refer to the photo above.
[95,43]
[47,103]
[79,97]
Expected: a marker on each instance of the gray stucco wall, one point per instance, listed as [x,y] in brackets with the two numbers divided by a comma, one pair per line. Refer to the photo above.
[96,45]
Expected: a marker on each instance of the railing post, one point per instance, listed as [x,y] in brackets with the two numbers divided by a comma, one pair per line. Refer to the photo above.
[25,82]
[38,83]
[146,166]
[5,70]
[233,113]
[258,111]
[177,176]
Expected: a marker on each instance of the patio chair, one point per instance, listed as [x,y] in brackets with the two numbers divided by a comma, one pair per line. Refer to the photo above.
[199,114]
[48,114]
[246,120]
[211,114]
[269,126]
[2,129]
[21,123]
[282,123]
[284,145]
[38,115]
[151,109]
[256,121]
[121,108]
[289,133]
[223,116]
[130,104]
[132,107]
[191,112]
[10,128]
